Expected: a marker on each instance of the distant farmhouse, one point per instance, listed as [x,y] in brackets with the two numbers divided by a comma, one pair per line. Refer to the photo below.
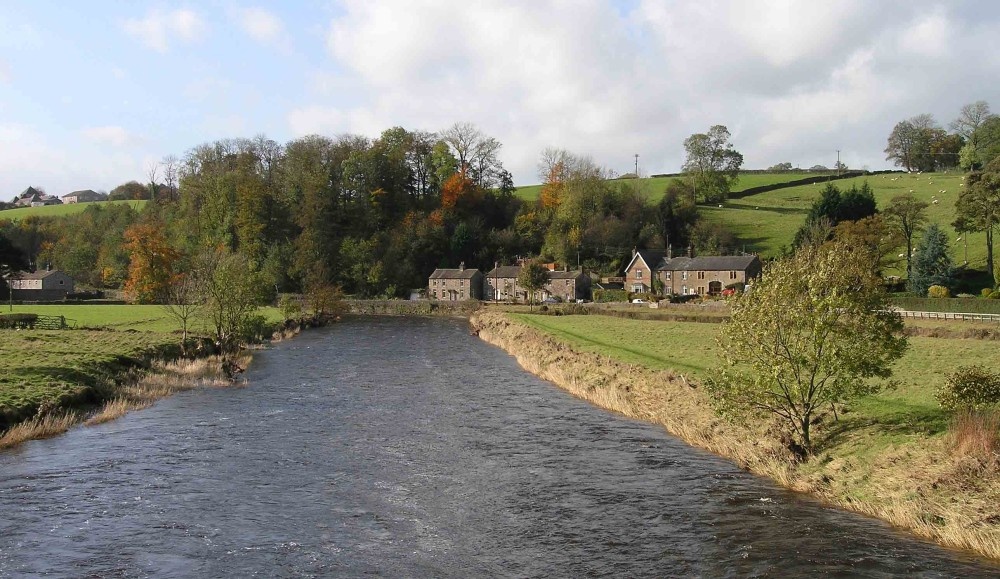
[32,197]
[688,275]
[40,286]
[84,196]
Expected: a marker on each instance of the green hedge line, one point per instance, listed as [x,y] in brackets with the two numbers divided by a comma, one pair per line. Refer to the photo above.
[950,305]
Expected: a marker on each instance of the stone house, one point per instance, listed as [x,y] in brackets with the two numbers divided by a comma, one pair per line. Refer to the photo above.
[40,286]
[455,284]
[83,196]
[500,284]
[688,275]
[32,197]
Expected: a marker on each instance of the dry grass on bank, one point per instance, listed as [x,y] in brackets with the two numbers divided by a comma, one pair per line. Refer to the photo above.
[138,391]
[900,468]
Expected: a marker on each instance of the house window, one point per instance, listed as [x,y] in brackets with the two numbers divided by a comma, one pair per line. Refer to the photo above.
[638,274]
[684,275]
[434,283]
[701,275]
[461,282]
[701,289]
[668,275]
[732,275]
[684,290]
[637,288]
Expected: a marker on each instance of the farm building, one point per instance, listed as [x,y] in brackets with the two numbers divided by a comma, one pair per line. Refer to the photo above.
[40,286]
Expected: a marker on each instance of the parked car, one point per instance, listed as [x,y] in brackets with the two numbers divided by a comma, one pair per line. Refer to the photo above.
[639,301]
[550,300]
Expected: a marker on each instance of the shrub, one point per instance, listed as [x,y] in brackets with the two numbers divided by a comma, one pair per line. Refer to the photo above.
[970,387]
[290,305]
[986,292]
[9,321]
[610,295]
[995,295]
[938,292]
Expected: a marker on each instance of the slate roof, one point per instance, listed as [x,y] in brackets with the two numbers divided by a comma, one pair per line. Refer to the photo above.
[565,274]
[708,263]
[504,271]
[29,192]
[454,273]
[90,193]
[42,274]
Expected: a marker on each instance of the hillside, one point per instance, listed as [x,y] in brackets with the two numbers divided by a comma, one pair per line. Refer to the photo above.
[653,187]
[59,210]
[767,221]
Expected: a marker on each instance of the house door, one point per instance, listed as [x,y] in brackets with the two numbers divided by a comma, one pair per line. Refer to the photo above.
[714,288]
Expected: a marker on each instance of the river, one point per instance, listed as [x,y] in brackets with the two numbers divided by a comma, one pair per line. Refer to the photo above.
[408,448]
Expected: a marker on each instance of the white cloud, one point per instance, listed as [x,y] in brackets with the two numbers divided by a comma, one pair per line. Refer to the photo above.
[316,120]
[159,28]
[111,135]
[263,26]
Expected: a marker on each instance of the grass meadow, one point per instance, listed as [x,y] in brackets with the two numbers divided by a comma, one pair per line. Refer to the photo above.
[61,210]
[143,318]
[653,187]
[690,348]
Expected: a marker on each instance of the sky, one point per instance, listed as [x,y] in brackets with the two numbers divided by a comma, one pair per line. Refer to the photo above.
[92,94]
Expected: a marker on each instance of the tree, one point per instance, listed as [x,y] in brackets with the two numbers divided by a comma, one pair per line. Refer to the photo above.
[811,333]
[931,263]
[151,262]
[712,163]
[834,207]
[533,277]
[233,290]
[919,143]
[907,215]
[968,124]
[875,235]
[129,191]
[183,299]
[12,261]
[786,166]
[978,208]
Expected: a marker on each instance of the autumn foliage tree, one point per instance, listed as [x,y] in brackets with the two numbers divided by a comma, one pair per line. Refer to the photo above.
[151,262]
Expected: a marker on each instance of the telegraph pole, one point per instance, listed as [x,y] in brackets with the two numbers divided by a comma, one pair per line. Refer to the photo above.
[637,165]
[838,162]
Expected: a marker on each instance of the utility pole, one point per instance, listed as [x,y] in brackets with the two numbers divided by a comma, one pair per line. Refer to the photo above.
[637,165]
[838,162]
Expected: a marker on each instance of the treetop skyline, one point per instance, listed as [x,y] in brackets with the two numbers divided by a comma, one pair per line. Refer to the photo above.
[92,94]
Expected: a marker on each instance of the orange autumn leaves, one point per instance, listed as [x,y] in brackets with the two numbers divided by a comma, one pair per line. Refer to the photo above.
[151,262]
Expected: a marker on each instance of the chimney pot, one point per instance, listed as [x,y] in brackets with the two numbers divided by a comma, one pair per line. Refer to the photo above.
[461,266]
[691,251]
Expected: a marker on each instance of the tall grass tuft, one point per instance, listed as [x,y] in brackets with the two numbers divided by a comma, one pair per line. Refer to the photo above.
[43,426]
[975,439]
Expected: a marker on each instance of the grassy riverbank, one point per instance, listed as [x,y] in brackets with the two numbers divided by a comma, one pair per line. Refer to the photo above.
[888,455]
[119,357]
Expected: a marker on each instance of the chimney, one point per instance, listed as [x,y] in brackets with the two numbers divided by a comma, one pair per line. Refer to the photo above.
[461,266]
[670,251]
[634,251]
[691,251]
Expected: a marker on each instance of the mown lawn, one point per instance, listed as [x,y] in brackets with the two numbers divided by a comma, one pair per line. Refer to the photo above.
[61,210]
[690,348]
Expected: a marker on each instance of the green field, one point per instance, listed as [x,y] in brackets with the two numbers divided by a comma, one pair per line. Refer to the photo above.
[61,366]
[60,210]
[143,318]
[690,348]
[768,221]
[653,187]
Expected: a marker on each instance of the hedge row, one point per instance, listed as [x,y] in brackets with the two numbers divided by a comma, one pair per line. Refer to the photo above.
[953,305]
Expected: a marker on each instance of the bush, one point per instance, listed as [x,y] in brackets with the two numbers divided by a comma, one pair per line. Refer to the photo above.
[975,434]
[970,387]
[737,286]
[986,292]
[938,292]
[995,295]
[10,321]
[254,329]
[290,306]
[610,295]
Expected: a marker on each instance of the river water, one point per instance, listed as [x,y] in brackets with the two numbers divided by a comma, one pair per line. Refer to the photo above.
[408,448]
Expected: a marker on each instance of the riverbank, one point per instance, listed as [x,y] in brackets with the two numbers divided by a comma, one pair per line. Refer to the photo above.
[911,479]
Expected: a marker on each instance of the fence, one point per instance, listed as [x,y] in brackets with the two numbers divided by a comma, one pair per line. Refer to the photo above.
[950,316]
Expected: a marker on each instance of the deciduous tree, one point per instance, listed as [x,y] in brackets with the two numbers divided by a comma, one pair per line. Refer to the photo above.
[812,332]
[907,215]
[533,277]
[978,208]
[712,163]
[151,262]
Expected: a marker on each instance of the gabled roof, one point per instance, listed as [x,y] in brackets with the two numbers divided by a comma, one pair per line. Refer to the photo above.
[649,257]
[29,192]
[454,273]
[41,274]
[565,274]
[708,263]
[504,271]
[83,193]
